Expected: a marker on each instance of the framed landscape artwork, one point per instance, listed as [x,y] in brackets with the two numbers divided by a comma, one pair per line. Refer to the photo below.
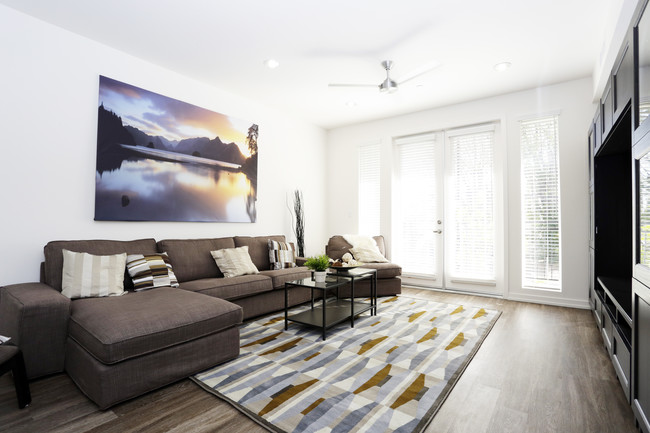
[160,159]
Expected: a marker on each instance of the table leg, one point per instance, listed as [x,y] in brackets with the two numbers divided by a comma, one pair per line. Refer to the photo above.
[373,293]
[352,302]
[286,307]
[324,316]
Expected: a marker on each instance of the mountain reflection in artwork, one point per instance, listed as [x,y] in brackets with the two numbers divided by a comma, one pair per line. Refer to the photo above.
[151,168]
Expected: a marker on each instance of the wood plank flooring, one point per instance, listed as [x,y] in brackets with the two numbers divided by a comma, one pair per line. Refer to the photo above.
[541,369]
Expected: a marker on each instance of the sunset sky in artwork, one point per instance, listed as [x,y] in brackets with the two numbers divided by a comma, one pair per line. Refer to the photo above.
[175,120]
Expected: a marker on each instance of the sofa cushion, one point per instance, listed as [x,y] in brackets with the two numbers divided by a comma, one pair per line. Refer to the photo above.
[234,262]
[191,257]
[281,276]
[90,276]
[118,328]
[337,246]
[258,249]
[54,256]
[230,288]
[385,270]
[150,271]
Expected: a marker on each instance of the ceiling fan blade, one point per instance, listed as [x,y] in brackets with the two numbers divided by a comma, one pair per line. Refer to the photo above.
[426,68]
[351,85]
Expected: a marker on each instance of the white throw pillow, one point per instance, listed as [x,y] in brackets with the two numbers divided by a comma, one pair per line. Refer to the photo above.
[368,255]
[88,276]
[233,262]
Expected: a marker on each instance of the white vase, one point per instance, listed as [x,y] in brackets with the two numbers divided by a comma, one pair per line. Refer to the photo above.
[319,276]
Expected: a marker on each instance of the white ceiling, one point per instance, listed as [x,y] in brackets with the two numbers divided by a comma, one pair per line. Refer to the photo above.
[224,44]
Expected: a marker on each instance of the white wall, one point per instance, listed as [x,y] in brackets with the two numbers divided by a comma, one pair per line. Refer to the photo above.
[571,99]
[48,113]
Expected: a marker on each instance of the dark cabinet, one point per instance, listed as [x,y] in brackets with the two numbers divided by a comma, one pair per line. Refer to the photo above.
[613,237]
[619,247]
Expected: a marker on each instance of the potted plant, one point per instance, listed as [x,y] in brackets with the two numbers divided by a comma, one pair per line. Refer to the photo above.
[319,265]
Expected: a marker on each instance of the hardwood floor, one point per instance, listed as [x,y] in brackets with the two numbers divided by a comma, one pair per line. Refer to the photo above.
[541,369]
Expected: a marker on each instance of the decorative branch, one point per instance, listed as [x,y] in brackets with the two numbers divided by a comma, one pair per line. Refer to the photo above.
[299,229]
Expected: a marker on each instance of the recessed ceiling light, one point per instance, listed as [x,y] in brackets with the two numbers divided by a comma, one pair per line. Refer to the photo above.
[271,63]
[503,66]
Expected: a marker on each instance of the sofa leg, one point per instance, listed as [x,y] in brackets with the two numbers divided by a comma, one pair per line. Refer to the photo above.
[20,381]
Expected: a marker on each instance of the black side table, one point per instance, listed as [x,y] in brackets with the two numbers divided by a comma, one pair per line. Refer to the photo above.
[11,358]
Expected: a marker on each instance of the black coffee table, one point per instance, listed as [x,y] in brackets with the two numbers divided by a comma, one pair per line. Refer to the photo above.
[334,311]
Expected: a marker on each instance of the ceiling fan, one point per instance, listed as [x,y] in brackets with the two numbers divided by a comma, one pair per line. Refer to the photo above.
[389,85]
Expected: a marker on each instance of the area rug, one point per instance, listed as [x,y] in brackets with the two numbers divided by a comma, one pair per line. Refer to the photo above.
[390,373]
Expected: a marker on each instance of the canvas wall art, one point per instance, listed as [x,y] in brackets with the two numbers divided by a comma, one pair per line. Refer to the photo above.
[160,159]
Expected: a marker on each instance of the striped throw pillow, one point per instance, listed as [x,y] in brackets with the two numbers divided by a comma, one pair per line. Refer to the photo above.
[89,276]
[151,271]
[281,255]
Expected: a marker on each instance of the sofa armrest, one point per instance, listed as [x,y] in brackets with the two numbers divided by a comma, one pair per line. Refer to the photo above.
[35,316]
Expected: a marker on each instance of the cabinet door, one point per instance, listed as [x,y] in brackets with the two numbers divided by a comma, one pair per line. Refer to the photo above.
[598,131]
[641,354]
[623,79]
[642,73]
[607,109]
[592,147]
[641,214]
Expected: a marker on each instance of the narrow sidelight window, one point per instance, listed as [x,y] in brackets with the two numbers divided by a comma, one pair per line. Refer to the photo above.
[369,190]
[540,203]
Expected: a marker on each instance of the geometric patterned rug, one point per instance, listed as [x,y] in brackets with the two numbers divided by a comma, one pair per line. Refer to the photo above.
[390,373]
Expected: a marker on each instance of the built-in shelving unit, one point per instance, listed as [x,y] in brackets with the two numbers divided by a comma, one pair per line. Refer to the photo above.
[619,190]
[612,247]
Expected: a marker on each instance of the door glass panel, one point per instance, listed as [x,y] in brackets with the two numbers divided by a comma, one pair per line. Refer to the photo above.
[644,66]
[417,207]
[644,210]
[470,206]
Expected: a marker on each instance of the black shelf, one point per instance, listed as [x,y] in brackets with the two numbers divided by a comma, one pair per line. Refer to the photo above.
[338,311]
[619,292]
[625,331]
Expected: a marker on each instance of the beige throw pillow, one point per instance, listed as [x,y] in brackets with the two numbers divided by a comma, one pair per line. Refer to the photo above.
[233,262]
[88,276]
[368,255]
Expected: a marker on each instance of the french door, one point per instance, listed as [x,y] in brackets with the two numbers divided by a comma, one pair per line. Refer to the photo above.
[446,195]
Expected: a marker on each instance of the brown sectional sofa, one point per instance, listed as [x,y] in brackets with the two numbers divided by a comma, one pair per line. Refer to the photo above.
[116,348]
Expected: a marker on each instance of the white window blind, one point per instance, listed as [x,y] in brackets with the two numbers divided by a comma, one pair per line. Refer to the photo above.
[369,189]
[417,207]
[470,216]
[540,203]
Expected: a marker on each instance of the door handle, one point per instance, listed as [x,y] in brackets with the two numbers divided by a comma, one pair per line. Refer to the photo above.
[437,231]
